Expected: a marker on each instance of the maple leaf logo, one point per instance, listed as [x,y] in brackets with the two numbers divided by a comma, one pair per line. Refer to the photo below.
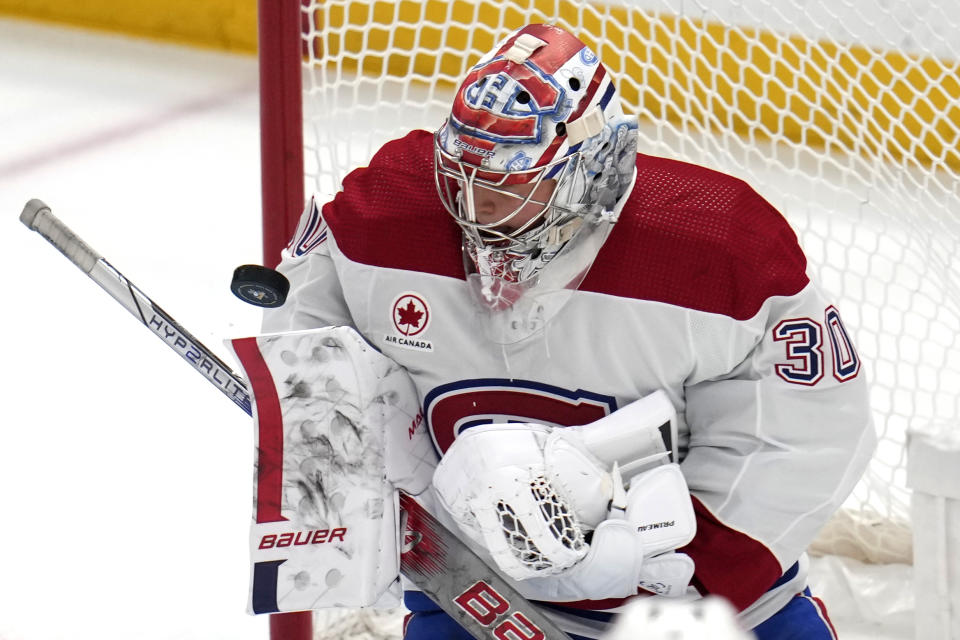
[410,315]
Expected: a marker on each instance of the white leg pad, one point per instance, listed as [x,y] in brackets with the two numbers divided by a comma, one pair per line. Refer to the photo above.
[338,431]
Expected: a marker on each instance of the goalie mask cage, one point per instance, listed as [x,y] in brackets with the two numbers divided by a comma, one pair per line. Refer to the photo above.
[844,115]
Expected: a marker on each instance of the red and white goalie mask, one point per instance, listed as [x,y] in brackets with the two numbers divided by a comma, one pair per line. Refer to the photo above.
[533,162]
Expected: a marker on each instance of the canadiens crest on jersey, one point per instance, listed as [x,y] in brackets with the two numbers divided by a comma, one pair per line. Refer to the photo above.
[409,319]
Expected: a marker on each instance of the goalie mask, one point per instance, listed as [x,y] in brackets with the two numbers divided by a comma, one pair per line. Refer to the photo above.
[533,162]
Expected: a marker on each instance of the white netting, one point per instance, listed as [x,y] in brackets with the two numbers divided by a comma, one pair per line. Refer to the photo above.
[844,114]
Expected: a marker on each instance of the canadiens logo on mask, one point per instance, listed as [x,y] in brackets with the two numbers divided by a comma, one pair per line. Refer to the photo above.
[506,108]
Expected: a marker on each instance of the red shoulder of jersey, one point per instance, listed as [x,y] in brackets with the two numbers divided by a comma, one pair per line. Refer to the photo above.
[389,214]
[699,239]
[687,236]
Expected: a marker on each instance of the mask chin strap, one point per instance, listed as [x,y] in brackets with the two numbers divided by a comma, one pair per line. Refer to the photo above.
[562,233]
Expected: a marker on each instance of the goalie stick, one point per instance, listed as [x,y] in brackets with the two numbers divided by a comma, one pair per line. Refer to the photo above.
[432,557]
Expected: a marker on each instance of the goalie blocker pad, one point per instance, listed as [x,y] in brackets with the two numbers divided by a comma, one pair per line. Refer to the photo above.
[338,431]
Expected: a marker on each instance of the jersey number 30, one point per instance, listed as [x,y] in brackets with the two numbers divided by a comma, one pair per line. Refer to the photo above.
[804,343]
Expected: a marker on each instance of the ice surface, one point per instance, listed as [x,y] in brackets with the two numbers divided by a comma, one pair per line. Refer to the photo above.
[124,476]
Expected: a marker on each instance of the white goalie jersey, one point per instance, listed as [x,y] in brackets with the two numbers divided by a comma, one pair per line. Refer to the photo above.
[700,291]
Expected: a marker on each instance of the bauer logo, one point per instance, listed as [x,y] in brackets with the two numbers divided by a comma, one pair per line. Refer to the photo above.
[409,318]
[302,538]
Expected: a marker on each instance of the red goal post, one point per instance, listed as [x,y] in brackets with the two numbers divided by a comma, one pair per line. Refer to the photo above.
[281,122]
[846,116]
[281,173]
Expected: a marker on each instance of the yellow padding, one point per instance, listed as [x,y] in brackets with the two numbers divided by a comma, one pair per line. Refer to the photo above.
[219,24]
[815,93]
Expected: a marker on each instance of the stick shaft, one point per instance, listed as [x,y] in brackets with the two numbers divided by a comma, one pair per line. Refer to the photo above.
[37,216]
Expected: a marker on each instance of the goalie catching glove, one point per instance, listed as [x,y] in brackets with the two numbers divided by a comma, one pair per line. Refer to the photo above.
[551,514]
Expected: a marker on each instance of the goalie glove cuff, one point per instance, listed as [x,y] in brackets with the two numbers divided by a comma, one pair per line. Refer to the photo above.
[611,569]
[616,565]
[667,574]
[659,507]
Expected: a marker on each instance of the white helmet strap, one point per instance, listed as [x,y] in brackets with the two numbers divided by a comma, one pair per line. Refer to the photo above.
[586,126]
[523,47]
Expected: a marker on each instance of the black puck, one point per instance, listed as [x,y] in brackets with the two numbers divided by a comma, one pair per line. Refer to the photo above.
[259,285]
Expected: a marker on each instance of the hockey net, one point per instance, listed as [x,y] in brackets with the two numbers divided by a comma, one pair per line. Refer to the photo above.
[846,116]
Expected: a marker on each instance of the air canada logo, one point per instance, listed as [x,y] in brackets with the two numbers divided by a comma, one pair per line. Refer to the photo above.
[410,314]
[410,317]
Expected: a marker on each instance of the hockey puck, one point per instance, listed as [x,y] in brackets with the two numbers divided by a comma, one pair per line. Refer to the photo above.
[259,285]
